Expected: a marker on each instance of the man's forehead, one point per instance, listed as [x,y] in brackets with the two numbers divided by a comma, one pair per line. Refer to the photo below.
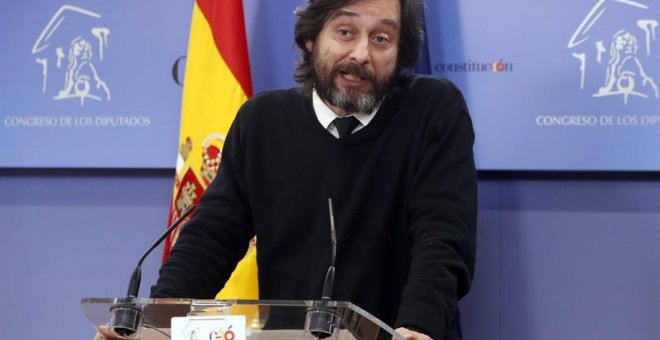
[386,13]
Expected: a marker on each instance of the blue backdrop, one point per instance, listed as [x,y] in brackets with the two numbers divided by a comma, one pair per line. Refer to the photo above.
[562,85]
[554,85]
[89,83]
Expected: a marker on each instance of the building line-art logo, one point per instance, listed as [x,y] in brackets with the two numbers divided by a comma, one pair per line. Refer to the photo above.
[616,50]
[75,57]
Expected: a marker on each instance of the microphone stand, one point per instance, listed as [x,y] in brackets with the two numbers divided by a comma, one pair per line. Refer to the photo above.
[321,320]
[126,319]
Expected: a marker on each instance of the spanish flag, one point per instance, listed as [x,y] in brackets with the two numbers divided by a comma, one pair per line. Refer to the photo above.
[216,84]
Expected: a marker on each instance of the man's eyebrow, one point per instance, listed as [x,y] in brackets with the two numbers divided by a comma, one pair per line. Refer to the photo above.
[344,13]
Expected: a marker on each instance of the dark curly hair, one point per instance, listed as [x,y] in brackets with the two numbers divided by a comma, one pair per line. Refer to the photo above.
[312,17]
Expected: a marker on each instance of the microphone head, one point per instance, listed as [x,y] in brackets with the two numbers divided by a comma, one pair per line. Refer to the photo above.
[126,321]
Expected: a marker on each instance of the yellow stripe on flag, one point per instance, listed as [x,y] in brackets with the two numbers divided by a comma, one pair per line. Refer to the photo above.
[212,95]
[243,281]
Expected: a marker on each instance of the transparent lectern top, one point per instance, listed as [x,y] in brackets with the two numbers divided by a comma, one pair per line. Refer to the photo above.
[265,319]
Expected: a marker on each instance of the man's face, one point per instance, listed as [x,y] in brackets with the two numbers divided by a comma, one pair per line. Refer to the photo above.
[355,55]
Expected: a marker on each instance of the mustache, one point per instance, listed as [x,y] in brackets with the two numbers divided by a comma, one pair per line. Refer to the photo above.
[356,69]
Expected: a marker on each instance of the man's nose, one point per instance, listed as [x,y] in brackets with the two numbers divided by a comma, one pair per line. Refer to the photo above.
[360,53]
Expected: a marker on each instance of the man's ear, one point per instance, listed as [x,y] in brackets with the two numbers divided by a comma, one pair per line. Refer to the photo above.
[309,44]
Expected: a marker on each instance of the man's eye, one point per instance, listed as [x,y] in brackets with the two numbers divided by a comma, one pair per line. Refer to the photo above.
[344,33]
[381,39]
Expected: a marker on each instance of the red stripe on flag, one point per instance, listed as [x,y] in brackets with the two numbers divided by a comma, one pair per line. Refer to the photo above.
[225,17]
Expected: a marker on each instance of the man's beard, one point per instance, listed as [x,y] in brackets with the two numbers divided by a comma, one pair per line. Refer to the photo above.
[353,99]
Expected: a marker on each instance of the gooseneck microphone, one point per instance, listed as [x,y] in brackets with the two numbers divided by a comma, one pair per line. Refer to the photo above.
[126,317]
[322,321]
[330,275]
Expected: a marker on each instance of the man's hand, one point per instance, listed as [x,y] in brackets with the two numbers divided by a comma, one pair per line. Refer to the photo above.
[99,336]
[103,334]
[412,335]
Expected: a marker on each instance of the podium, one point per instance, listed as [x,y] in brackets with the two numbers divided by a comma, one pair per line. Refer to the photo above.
[264,319]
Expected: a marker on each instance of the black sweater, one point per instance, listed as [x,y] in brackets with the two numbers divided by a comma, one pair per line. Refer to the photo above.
[404,193]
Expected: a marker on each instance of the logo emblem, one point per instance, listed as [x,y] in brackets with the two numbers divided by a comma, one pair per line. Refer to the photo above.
[613,44]
[212,151]
[70,51]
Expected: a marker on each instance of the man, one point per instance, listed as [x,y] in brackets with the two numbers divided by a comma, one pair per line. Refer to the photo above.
[401,177]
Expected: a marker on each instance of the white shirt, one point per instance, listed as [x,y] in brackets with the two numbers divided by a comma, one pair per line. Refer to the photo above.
[326,116]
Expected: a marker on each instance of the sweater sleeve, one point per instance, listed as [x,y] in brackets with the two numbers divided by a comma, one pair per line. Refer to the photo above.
[216,237]
[442,212]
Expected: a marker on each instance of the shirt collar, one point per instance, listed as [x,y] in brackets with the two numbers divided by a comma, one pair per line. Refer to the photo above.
[325,115]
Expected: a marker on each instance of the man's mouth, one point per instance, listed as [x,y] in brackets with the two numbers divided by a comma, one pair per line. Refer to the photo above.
[351,76]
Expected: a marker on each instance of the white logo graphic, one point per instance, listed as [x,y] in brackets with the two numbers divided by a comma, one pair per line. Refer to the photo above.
[607,44]
[74,54]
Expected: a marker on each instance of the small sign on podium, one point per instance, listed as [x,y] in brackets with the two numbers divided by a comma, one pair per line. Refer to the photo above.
[228,327]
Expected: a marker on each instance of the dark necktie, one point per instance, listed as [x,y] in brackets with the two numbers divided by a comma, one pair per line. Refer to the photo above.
[345,125]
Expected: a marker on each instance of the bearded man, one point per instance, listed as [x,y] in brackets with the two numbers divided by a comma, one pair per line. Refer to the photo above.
[392,150]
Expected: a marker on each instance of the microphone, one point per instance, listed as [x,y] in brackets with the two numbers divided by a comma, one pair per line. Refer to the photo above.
[126,317]
[330,275]
[322,321]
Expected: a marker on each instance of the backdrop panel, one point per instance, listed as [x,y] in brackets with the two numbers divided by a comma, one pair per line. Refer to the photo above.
[91,83]
[554,85]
